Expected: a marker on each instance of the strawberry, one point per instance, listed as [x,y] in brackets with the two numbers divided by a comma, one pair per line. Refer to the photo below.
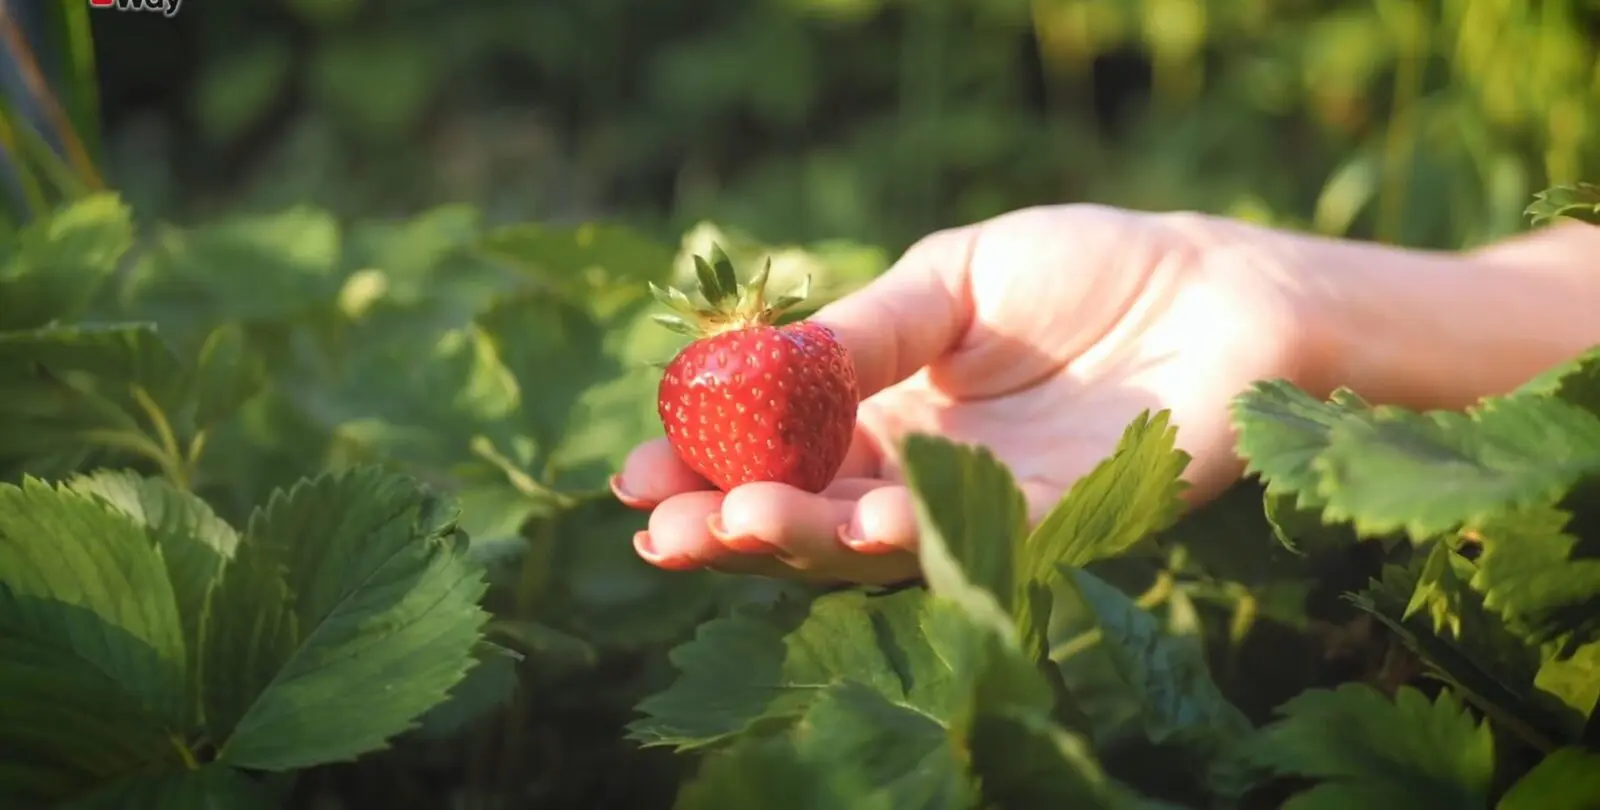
[750,401]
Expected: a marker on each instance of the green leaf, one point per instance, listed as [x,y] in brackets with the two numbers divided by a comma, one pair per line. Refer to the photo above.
[582,260]
[1567,779]
[1133,681]
[194,543]
[57,264]
[1024,761]
[1282,430]
[87,385]
[769,773]
[1580,201]
[261,267]
[226,374]
[92,654]
[351,609]
[906,755]
[213,787]
[1429,473]
[1132,495]
[970,514]
[1542,579]
[1363,750]
[1485,662]
[1576,381]
[1441,589]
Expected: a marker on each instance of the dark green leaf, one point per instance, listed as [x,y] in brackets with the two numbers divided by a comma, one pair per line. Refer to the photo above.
[1364,751]
[381,625]
[213,787]
[1132,680]
[1486,663]
[769,773]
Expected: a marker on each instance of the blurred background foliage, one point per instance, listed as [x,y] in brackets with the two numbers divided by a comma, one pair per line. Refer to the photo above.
[1427,123]
[328,188]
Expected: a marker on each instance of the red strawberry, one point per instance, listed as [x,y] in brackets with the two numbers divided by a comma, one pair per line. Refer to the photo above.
[750,401]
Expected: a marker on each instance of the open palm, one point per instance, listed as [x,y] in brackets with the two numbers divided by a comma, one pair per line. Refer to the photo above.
[1040,334]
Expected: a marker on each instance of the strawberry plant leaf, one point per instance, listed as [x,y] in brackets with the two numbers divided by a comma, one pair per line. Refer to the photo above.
[1576,381]
[907,756]
[1566,779]
[92,654]
[768,772]
[1363,750]
[1282,430]
[1133,494]
[970,514]
[1026,761]
[57,263]
[227,373]
[1580,201]
[1429,473]
[580,261]
[87,385]
[350,608]
[212,787]
[1485,662]
[759,666]
[1130,680]
[1541,578]
[273,267]
[194,542]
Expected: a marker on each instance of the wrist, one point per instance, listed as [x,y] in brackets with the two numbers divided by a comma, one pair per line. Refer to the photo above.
[1432,330]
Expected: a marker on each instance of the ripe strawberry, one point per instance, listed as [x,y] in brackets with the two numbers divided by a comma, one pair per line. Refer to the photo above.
[750,401]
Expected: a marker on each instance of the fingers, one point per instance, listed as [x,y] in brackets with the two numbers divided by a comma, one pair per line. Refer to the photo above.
[653,473]
[795,533]
[859,531]
[908,317]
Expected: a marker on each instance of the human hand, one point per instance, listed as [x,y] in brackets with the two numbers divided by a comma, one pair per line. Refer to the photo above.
[1041,334]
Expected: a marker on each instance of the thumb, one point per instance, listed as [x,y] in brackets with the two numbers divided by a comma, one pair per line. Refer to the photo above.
[911,315]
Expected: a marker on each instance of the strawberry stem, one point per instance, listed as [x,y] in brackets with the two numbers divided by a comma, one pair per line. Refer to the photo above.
[730,305]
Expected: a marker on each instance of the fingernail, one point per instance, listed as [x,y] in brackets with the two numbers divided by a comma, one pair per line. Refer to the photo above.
[859,545]
[646,549]
[627,498]
[744,543]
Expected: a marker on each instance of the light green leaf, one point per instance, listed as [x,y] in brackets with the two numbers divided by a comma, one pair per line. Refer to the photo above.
[1573,681]
[89,581]
[226,374]
[1125,499]
[213,787]
[1440,590]
[1429,473]
[261,267]
[1580,201]
[1364,751]
[582,260]
[1576,381]
[970,515]
[92,655]
[1540,577]
[1567,779]
[1132,680]
[194,543]
[56,265]
[1282,429]
[381,624]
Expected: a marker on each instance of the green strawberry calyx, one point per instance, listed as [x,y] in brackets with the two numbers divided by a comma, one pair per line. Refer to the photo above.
[729,304]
